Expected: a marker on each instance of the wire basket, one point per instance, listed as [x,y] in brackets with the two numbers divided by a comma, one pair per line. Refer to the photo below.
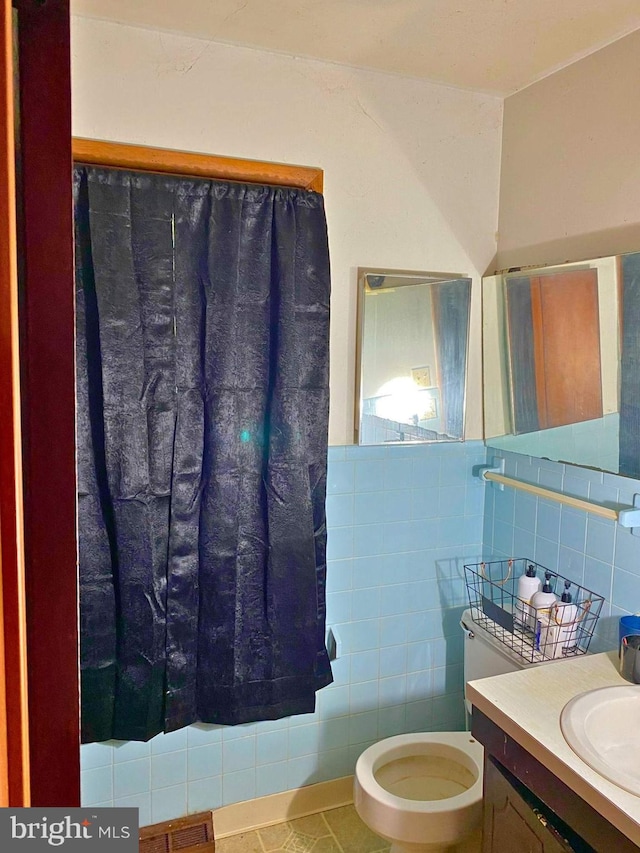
[555,631]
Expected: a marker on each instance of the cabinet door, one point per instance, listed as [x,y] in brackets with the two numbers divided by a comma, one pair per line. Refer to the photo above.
[510,823]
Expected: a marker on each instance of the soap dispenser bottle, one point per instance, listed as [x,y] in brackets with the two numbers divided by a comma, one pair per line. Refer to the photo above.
[566,615]
[541,602]
[528,584]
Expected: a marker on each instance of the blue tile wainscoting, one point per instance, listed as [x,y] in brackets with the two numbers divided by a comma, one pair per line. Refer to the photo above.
[594,443]
[595,552]
[402,521]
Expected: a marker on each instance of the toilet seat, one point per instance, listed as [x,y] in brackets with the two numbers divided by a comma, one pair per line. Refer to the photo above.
[443,744]
[407,821]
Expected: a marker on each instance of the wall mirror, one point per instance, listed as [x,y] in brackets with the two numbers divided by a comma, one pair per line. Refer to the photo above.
[413,331]
[561,360]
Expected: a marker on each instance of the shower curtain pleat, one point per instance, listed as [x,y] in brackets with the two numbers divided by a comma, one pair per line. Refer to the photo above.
[96,547]
[210,359]
[191,211]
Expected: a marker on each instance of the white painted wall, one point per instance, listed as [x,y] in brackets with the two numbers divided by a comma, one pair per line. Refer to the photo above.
[570,166]
[411,168]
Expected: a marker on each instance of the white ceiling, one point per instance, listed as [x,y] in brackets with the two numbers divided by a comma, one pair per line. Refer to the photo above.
[496,46]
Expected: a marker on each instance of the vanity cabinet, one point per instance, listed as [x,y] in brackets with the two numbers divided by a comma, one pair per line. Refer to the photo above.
[514,821]
[527,809]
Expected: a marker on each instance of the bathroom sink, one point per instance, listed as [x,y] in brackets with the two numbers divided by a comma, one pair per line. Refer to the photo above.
[603,728]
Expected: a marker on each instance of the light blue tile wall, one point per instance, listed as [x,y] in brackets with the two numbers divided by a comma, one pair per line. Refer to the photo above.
[402,521]
[593,443]
[595,552]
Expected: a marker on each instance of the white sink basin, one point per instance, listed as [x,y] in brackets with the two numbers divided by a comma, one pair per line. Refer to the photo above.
[603,728]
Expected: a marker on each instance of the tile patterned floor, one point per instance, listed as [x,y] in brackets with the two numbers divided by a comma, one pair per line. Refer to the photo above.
[334,831]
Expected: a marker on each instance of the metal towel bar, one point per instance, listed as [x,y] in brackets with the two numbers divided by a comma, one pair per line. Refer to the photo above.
[628,516]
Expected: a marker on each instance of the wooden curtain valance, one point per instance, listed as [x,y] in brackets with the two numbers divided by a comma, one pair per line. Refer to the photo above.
[143,159]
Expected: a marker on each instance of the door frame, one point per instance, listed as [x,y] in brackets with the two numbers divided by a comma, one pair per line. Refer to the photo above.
[47,328]
[14,736]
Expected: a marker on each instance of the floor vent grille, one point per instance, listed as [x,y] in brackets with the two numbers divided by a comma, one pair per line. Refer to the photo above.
[192,834]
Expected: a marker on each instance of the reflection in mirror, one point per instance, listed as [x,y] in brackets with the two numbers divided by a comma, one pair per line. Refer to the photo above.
[413,331]
[552,384]
[562,363]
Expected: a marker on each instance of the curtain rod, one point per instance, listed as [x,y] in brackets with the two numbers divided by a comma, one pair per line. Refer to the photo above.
[168,161]
[628,516]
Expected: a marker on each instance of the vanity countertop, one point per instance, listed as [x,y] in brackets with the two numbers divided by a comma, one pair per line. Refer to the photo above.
[527,706]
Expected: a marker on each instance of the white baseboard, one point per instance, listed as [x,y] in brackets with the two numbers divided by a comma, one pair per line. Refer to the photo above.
[289,805]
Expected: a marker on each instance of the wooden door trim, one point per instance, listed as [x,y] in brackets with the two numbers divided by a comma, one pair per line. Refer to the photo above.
[14,722]
[141,158]
[47,326]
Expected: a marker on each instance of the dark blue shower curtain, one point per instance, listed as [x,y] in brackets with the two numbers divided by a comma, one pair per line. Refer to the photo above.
[202,376]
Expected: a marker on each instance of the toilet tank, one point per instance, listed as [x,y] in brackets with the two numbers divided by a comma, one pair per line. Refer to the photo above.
[485,655]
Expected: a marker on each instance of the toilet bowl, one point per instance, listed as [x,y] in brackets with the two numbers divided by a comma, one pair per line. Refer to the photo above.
[422,792]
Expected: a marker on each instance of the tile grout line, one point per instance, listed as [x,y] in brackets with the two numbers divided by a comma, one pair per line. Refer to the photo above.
[332,834]
[260,841]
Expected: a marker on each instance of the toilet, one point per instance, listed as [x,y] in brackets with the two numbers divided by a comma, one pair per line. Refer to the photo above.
[423,791]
